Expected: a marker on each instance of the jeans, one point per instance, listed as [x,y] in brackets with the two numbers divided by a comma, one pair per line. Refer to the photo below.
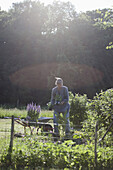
[66,120]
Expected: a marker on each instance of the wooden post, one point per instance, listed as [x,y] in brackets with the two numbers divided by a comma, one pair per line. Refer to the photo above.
[95,151]
[12,135]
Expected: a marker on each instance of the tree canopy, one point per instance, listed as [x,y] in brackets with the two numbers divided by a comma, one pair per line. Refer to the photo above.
[39,42]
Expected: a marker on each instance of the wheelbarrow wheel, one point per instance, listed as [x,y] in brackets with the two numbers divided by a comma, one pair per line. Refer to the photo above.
[47,128]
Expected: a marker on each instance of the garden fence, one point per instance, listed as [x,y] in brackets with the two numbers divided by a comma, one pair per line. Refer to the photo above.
[76,132]
[5,128]
[5,131]
[12,129]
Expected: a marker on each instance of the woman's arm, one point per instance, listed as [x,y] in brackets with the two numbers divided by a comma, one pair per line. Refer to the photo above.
[52,97]
[66,95]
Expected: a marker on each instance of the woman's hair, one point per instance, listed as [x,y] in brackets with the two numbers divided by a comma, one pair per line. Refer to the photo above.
[58,81]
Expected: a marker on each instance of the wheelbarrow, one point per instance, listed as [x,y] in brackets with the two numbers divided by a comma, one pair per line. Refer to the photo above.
[42,123]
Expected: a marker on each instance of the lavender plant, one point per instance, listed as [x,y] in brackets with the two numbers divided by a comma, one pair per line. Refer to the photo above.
[33,111]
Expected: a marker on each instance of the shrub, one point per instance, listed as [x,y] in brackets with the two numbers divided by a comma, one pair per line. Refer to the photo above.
[100,109]
[78,107]
[29,153]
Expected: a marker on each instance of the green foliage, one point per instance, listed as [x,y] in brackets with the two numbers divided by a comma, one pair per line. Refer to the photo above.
[61,123]
[105,21]
[40,33]
[110,46]
[58,99]
[13,111]
[78,108]
[3,142]
[30,153]
[100,109]
[21,113]
[104,18]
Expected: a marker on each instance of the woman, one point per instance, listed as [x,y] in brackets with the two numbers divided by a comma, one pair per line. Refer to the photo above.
[60,104]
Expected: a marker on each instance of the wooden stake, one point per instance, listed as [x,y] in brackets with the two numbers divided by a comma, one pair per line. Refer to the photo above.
[12,135]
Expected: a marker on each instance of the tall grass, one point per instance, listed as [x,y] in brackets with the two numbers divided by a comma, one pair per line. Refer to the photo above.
[9,112]
[5,124]
[46,113]
[21,113]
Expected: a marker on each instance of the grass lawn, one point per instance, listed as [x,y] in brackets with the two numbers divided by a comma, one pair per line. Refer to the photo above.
[21,113]
[5,129]
[5,124]
[9,112]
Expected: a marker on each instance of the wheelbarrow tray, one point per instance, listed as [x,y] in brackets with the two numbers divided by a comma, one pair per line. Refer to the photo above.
[41,122]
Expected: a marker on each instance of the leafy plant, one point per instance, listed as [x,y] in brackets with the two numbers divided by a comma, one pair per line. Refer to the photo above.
[78,108]
[58,99]
[30,153]
[100,109]
[61,123]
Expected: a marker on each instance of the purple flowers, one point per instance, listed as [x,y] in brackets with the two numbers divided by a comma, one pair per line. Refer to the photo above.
[33,111]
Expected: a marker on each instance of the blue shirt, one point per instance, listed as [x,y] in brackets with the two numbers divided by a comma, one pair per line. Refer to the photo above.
[57,96]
